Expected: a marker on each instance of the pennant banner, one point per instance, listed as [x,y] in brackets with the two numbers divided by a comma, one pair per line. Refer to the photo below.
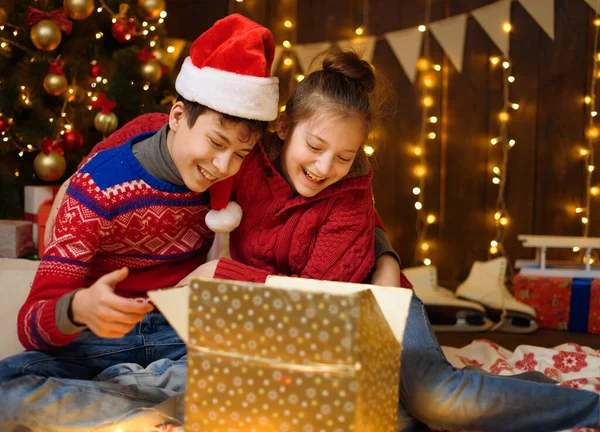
[543,13]
[492,18]
[364,46]
[450,33]
[276,58]
[307,53]
[406,45]
[595,4]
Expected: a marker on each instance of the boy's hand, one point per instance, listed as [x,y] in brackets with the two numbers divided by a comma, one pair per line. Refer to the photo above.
[105,313]
[206,270]
[58,199]
[387,272]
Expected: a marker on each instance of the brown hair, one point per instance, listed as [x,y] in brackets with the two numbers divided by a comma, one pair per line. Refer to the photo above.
[346,85]
[193,110]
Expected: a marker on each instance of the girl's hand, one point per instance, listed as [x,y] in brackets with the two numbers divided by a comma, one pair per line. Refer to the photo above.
[206,270]
[58,199]
[387,272]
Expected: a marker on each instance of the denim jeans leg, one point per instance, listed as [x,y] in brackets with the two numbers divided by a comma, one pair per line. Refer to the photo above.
[443,397]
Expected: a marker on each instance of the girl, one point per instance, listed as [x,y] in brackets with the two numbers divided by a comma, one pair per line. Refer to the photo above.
[306,212]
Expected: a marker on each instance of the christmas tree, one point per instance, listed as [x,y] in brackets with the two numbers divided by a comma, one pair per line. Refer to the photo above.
[71,71]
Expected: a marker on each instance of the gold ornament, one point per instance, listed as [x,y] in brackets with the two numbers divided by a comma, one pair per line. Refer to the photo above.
[159,54]
[150,9]
[55,84]
[74,93]
[45,35]
[79,9]
[49,167]
[151,71]
[106,123]
[3,17]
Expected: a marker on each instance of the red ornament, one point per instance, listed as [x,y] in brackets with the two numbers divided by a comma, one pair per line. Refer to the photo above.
[4,124]
[48,146]
[123,30]
[95,70]
[72,140]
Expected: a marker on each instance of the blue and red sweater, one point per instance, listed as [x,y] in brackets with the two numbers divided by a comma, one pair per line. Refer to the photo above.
[115,214]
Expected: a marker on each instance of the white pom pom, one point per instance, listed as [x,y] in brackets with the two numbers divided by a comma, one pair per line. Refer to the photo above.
[226,220]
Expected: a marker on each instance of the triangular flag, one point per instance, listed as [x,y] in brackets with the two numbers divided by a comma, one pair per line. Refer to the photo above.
[364,46]
[543,13]
[406,45]
[492,18]
[276,58]
[450,33]
[306,53]
[594,4]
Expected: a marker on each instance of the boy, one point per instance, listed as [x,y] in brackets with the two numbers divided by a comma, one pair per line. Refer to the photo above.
[141,206]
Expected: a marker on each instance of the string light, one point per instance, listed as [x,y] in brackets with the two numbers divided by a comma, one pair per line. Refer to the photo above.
[300,77]
[359,31]
[288,61]
[288,24]
[591,133]
[501,214]
[428,80]
[287,44]
[369,150]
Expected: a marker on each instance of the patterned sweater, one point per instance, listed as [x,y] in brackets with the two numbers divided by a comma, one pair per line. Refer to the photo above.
[115,214]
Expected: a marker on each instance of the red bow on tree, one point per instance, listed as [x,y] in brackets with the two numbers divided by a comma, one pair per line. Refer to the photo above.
[56,67]
[48,146]
[104,103]
[57,16]
[145,55]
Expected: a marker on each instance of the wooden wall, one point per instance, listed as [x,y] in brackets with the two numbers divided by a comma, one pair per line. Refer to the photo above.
[546,173]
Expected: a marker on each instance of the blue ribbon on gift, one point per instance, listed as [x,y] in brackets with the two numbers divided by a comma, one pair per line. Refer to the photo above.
[579,311]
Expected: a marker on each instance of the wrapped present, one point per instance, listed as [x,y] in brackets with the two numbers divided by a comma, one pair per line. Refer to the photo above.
[570,304]
[289,356]
[16,239]
[43,214]
[35,196]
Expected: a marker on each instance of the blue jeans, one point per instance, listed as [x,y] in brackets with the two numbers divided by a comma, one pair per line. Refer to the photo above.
[45,389]
[432,392]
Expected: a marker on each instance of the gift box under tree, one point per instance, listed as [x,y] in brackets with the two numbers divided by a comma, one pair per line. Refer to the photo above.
[570,304]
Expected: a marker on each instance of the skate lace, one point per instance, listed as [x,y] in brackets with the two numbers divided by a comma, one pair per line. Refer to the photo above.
[501,279]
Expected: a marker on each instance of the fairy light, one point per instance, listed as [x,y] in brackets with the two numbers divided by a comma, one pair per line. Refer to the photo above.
[288,61]
[163,14]
[369,150]
[591,133]
[505,143]
[170,49]
[288,24]
[287,44]
[428,79]
[300,77]
[359,31]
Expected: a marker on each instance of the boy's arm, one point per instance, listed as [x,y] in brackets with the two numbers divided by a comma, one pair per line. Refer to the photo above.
[63,269]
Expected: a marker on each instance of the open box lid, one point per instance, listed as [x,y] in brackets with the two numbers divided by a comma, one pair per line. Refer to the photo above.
[393,302]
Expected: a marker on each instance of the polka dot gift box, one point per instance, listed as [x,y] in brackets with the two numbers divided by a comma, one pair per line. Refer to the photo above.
[299,355]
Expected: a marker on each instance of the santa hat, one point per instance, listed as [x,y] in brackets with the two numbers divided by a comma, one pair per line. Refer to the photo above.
[229,71]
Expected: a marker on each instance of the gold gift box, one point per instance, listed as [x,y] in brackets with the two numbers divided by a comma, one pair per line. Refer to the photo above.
[295,356]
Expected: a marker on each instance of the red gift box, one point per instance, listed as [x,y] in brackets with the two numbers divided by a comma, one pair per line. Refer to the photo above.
[35,196]
[42,218]
[561,303]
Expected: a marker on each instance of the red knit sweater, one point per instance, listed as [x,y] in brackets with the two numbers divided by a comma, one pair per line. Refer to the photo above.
[115,215]
[327,237]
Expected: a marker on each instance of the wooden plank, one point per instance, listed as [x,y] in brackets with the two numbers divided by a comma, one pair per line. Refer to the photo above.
[561,123]
[566,242]
[188,19]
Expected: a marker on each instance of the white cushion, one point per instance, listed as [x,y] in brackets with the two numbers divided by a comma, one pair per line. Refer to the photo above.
[16,276]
